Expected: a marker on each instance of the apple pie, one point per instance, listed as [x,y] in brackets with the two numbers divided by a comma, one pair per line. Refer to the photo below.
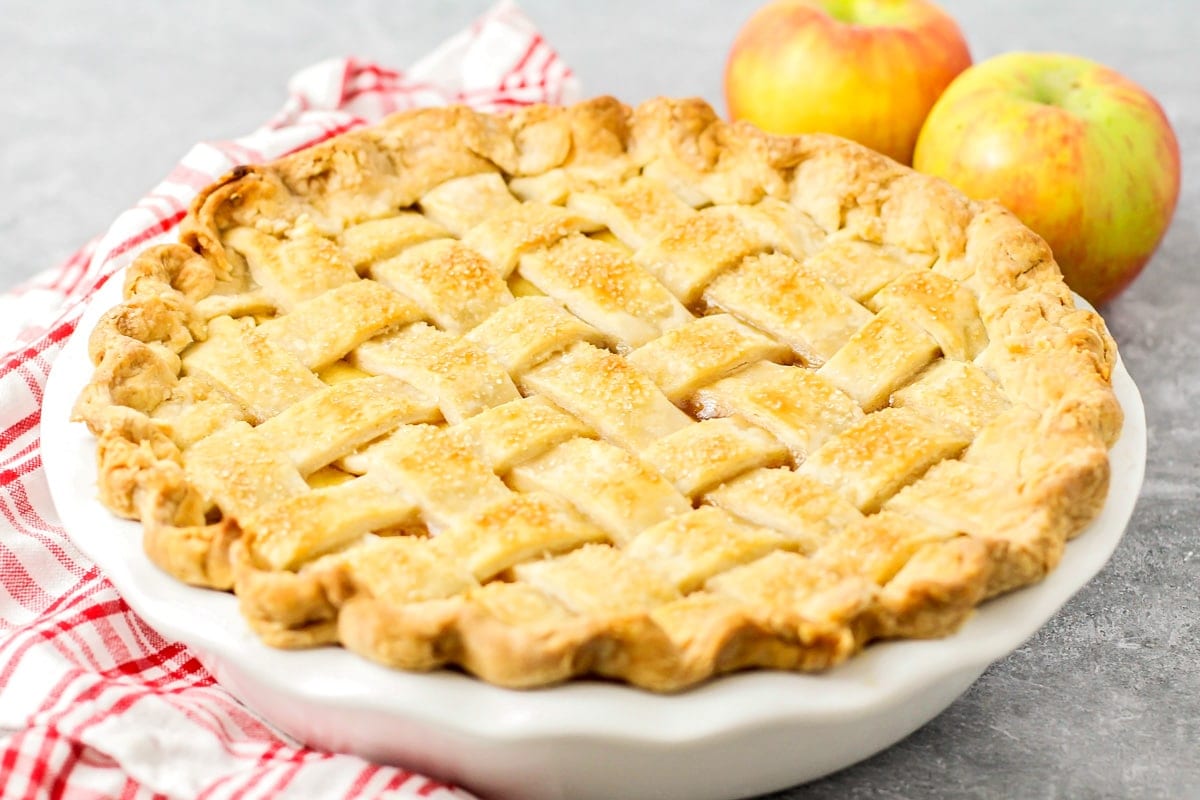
[630,393]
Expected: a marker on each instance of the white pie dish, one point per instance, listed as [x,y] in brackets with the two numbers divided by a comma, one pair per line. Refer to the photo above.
[733,737]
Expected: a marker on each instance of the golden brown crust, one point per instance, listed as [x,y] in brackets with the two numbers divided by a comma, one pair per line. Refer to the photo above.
[1040,411]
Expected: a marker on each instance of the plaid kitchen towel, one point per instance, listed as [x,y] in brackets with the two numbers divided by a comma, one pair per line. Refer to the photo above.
[94,703]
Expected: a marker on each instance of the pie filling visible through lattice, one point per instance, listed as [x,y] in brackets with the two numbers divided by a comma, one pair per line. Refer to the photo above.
[631,393]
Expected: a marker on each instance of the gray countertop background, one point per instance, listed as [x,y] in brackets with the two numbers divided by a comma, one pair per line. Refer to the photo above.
[99,100]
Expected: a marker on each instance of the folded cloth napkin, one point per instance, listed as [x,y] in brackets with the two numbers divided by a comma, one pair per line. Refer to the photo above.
[94,703]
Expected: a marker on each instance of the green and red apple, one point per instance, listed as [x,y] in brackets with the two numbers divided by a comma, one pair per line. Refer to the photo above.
[868,70]
[1084,156]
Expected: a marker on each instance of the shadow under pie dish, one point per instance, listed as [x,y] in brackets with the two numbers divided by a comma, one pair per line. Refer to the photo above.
[630,393]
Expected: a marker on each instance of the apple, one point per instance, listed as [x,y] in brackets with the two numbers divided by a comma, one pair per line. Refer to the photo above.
[868,70]
[1084,156]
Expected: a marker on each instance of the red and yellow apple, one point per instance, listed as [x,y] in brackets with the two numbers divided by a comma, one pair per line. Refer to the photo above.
[868,70]
[1084,156]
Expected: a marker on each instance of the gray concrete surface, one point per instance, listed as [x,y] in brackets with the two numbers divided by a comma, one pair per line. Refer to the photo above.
[98,100]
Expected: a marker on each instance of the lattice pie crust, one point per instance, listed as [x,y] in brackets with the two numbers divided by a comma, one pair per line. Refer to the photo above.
[632,393]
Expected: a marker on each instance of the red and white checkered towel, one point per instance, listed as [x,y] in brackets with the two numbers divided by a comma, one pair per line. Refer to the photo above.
[93,703]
